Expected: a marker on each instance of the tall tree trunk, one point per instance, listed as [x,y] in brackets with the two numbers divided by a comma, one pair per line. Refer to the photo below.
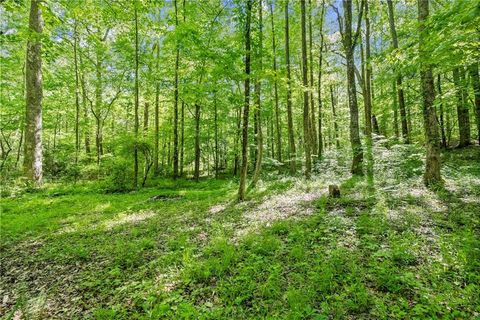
[33,157]
[215,122]
[395,110]
[349,41]
[432,165]
[275,87]
[401,96]
[368,75]
[320,61]
[175,103]
[258,112]
[475,78]
[157,115]
[462,108]
[98,103]
[135,151]
[313,124]
[77,93]
[334,118]
[442,122]
[246,108]
[291,134]
[306,118]
[196,172]
[145,118]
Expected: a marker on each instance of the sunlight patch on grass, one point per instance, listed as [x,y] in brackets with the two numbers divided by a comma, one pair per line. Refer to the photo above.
[125,218]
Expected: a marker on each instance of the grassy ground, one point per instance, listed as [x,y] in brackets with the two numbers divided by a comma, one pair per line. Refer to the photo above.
[387,249]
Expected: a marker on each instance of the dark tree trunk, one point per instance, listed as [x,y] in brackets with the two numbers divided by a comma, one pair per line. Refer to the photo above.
[196,171]
[175,103]
[306,118]
[475,78]
[291,137]
[77,93]
[334,118]
[135,151]
[157,115]
[259,137]
[432,165]
[33,155]
[275,86]
[145,117]
[320,61]
[246,108]
[401,96]
[442,122]
[462,108]
[313,122]
[368,75]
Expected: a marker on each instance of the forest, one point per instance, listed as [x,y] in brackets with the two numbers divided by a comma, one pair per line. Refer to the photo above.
[239,159]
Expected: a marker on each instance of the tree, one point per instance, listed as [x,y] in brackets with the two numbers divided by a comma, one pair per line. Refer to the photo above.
[400,93]
[291,138]
[275,86]
[135,151]
[306,117]
[475,78]
[175,101]
[432,164]
[258,113]
[349,41]
[246,106]
[462,108]
[33,153]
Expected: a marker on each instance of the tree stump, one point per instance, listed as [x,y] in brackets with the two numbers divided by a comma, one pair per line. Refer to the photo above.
[333,191]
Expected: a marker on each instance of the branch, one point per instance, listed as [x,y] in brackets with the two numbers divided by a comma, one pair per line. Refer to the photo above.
[339,19]
[359,23]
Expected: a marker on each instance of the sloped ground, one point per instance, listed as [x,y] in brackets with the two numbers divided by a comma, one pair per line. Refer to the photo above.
[387,249]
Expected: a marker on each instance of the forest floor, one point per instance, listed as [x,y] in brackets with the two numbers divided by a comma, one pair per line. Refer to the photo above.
[387,249]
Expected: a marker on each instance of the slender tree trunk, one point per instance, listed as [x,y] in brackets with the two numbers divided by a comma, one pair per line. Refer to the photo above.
[462,108]
[395,110]
[442,122]
[258,112]
[246,108]
[215,122]
[77,93]
[349,44]
[475,78]
[98,103]
[432,165]
[33,154]
[320,61]
[401,96]
[135,152]
[157,115]
[306,117]
[145,117]
[182,137]
[334,118]
[368,75]
[196,173]
[291,134]
[175,105]
[275,86]
[313,123]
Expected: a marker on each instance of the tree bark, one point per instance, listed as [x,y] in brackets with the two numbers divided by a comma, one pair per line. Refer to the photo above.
[157,115]
[77,93]
[175,103]
[33,154]
[313,125]
[258,84]
[196,172]
[401,96]
[320,61]
[306,118]
[349,43]
[135,151]
[462,108]
[432,165]
[475,78]
[246,108]
[368,75]
[334,117]
[275,87]
[442,122]
[291,137]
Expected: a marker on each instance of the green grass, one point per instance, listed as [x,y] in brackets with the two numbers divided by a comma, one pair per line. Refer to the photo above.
[372,254]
